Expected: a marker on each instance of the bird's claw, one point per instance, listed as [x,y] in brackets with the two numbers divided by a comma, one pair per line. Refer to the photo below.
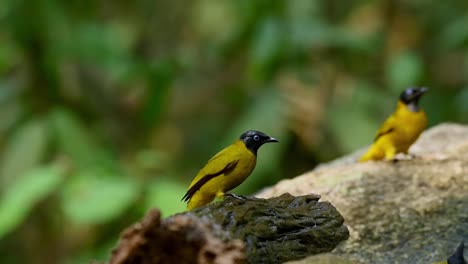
[403,157]
[234,196]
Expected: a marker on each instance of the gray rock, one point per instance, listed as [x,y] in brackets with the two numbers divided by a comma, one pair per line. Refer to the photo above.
[411,211]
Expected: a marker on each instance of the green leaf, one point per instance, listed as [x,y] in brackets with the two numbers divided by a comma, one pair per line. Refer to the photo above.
[11,113]
[93,197]
[20,198]
[105,45]
[94,194]
[460,101]
[303,9]
[24,150]
[9,55]
[215,20]
[160,80]
[454,34]
[166,195]
[266,48]
[309,32]
[351,116]
[75,141]
[404,70]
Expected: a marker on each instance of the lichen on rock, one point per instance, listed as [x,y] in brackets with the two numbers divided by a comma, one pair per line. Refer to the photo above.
[281,228]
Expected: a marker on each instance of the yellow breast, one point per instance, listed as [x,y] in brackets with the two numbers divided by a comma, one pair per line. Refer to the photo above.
[408,126]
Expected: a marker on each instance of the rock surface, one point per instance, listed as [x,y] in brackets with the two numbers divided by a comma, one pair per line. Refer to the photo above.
[236,230]
[409,211]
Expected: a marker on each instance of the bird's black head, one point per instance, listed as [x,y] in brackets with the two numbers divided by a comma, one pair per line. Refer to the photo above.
[253,140]
[410,97]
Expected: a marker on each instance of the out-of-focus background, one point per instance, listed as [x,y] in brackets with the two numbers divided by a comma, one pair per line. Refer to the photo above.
[109,108]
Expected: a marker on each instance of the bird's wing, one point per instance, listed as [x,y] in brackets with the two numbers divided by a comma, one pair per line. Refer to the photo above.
[222,163]
[387,128]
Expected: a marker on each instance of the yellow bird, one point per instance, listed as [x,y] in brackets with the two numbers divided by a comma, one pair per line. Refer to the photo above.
[401,129]
[226,170]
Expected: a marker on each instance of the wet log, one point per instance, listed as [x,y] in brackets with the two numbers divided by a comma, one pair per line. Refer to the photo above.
[236,230]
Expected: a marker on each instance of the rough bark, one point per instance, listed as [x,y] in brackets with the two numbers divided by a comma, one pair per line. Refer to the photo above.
[179,239]
[236,230]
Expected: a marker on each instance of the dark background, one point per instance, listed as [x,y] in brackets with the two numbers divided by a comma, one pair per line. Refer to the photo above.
[109,108]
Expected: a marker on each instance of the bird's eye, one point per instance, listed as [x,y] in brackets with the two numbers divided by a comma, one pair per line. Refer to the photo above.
[256,137]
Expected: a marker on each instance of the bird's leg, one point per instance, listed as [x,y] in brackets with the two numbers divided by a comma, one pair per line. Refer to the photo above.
[220,195]
[406,156]
[390,154]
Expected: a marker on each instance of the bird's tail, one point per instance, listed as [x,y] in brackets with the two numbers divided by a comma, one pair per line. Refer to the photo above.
[366,157]
[373,153]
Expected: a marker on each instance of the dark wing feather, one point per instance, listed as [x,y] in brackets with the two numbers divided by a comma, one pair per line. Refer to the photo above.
[226,170]
[382,133]
[387,127]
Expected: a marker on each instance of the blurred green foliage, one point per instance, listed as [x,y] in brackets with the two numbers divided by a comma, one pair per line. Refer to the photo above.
[109,108]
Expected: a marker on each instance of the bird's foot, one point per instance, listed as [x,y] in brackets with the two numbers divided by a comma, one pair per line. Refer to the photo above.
[403,157]
[239,197]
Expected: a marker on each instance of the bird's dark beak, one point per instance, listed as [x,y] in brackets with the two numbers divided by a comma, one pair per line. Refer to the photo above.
[420,92]
[423,90]
[271,140]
